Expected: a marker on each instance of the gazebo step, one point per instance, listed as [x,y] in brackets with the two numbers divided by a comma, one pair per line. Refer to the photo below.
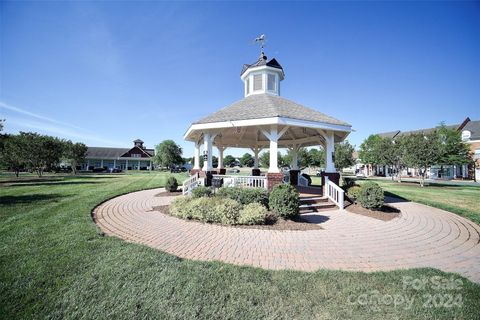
[317,207]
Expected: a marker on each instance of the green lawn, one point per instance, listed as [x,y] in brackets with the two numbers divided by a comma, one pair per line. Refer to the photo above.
[56,264]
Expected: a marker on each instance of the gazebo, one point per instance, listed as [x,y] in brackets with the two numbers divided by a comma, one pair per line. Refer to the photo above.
[265,120]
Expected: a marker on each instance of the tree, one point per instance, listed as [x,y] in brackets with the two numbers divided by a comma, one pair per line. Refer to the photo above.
[2,123]
[14,153]
[316,157]
[214,161]
[369,150]
[264,159]
[344,155]
[228,160]
[168,154]
[391,152]
[247,160]
[75,154]
[421,151]
[303,157]
[452,150]
[44,152]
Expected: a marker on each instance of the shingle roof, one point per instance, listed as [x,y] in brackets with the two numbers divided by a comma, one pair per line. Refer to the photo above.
[257,106]
[106,152]
[474,128]
[391,134]
[262,61]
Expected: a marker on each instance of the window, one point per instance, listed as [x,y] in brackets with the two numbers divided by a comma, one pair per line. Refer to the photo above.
[248,85]
[136,155]
[257,82]
[271,82]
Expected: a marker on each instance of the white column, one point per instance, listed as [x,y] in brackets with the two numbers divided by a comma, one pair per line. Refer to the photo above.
[330,149]
[294,163]
[114,163]
[138,168]
[256,151]
[273,150]
[220,157]
[207,147]
[126,164]
[101,163]
[88,164]
[150,165]
[196,156]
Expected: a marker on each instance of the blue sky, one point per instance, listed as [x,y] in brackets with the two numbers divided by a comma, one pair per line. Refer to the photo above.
[106,73]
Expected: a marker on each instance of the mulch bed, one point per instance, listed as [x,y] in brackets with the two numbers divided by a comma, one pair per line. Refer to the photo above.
[169,194]
[272,223]
[386,212]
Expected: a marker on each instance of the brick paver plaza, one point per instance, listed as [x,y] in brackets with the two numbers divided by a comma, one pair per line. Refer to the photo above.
[421,237]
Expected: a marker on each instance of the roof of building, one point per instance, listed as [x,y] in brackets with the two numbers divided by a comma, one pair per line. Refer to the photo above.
[138,140]
[472,126]
[106,152]
[257,106]
[262,61]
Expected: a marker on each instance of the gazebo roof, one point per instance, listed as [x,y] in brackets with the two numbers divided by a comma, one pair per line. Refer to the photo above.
[266,105]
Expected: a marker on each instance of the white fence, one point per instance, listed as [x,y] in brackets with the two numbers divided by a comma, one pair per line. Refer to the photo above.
[334,193]
[243,181]
[191,183]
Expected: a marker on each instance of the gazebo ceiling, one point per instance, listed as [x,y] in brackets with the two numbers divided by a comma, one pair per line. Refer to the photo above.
[241,124]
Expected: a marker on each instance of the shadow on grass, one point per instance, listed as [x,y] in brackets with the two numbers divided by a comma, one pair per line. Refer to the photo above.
[394,198]
[29,199]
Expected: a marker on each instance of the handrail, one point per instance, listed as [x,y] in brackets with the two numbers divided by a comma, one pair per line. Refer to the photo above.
[190,183]
[334,193]
[243,181]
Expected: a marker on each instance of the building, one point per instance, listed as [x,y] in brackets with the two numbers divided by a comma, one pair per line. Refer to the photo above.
[470,131]
[136,158]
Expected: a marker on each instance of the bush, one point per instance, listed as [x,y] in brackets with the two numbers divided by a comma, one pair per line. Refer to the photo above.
[371,196]
[201,191]
[353,192]
[253,213]
[347,183]
[207,209]
[245,195]
[284,200]
[171,184]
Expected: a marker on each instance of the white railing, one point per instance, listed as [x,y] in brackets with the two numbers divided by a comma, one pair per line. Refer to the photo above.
[191,183]
[243,181]
[334,193]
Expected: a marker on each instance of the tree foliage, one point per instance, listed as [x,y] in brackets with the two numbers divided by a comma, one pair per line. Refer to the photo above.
[264,159]
[344,155]
[74,153]
[168,154]
[228,160]
[247,160]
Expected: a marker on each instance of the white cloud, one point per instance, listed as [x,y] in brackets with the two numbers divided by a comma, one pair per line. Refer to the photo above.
[51,126]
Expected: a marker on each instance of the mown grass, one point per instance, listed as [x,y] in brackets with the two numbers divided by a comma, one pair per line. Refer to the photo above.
[56,264]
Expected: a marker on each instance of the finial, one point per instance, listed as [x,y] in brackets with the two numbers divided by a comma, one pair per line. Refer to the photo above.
[261,40]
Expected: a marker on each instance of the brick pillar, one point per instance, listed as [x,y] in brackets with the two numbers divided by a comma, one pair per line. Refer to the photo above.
[273,178]
[294,177]
[222,171]
[332,176]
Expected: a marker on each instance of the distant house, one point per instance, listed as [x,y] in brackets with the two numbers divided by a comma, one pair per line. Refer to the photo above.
[136,158]
[470,131]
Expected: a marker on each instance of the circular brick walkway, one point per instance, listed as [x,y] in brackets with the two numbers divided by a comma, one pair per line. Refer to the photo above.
[421,237]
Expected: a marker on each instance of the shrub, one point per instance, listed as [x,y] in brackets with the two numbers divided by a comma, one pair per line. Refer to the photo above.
[207,209]
[284,200]
[201,191]
[171,184]
[253,213]
[245,195]
[353,192]
[371,196]
[347,183]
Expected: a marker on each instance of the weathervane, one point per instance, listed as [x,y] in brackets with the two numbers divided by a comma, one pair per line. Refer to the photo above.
[261,40]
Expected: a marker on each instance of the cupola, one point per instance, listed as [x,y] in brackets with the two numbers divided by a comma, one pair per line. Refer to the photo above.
[263,76]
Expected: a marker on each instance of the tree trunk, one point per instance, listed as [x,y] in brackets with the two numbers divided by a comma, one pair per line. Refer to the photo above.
[17,172]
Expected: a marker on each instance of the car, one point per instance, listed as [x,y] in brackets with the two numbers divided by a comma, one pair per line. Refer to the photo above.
[234,170]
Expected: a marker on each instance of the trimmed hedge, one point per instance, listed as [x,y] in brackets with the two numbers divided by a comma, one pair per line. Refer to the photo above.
[371,196]
[284,200]
[207,209]
[253,213]
[202,191]
[245,195]
[353,192]
[171,185]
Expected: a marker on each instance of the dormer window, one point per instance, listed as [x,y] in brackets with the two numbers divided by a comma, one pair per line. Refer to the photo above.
[257,82]
[271,82]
